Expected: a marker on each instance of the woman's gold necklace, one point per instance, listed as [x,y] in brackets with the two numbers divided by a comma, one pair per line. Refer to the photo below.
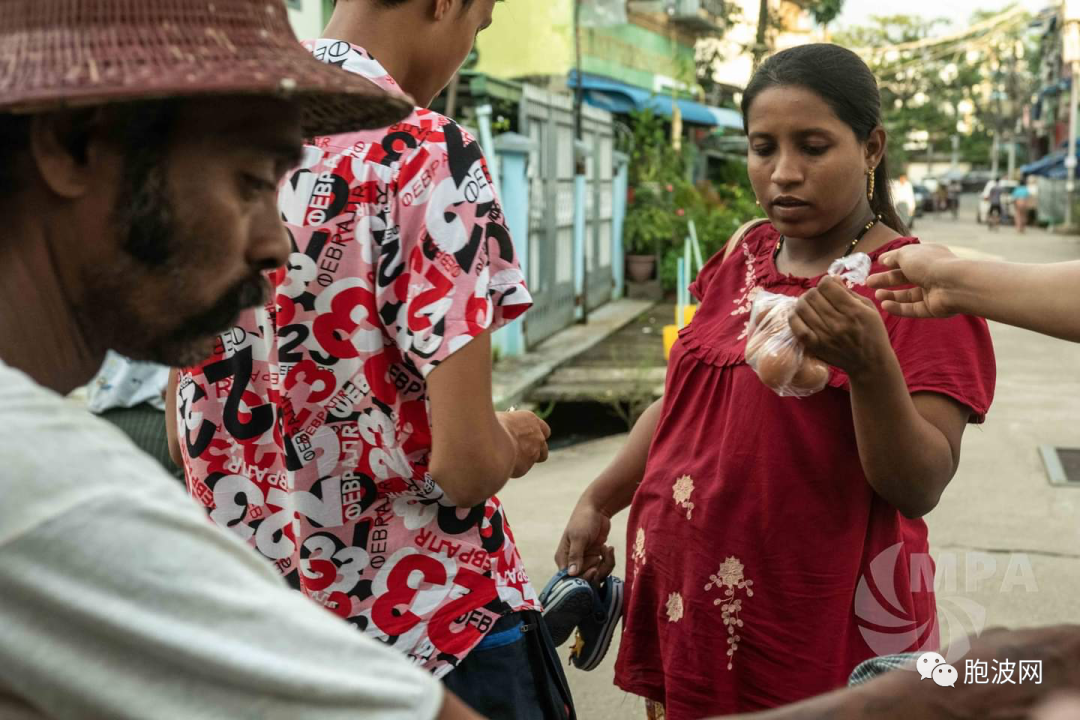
[851,248]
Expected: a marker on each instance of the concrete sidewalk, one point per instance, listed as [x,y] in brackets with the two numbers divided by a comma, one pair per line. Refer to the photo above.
[514,377]
[1007,543]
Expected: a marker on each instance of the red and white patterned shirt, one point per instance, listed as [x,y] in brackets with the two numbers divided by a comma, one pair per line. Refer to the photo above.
[308,432]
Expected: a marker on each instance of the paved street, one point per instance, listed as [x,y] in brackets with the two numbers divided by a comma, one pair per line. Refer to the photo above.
[1007,543]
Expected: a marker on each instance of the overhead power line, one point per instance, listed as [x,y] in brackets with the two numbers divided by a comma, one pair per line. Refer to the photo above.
[1007,17]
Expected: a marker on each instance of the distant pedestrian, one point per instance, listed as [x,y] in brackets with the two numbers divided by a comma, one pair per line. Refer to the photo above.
[955,189]
[1021,196]
[993,218]
[941,196]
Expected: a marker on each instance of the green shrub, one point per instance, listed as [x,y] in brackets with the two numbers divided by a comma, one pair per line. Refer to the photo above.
[665,200]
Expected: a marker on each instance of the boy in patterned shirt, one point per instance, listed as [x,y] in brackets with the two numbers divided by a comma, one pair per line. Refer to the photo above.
[347,430]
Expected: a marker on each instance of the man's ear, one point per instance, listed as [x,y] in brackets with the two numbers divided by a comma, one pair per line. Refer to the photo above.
[875,146]
[65,150]
[442,8]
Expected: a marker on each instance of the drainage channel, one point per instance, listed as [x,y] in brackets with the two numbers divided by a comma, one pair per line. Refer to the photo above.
[573,423]
[1062,465]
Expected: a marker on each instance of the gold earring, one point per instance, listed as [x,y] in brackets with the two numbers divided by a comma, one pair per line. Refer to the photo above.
[870,188]
[758,203]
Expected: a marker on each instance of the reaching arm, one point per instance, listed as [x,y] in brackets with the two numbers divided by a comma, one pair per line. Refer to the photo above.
[1042,298]
[909,445]
[475,451]
[613,490]
[582,549]
[903,694]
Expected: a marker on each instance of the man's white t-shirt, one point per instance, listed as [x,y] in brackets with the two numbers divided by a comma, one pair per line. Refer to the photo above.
[119,599]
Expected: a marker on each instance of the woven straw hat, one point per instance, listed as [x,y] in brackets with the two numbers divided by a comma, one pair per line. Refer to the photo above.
[71,53]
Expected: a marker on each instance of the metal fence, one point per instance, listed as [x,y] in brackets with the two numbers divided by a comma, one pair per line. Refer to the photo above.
[547,118]
[1052,199]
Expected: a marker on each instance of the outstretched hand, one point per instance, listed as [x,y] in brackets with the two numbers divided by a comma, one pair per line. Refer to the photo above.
[921,266]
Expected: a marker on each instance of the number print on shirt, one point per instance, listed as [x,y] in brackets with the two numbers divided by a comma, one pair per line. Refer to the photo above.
[308,433]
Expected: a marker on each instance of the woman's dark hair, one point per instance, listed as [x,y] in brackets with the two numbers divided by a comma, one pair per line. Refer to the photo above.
[840,78]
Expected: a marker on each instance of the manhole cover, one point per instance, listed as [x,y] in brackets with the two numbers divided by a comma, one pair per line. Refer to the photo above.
[1062,465]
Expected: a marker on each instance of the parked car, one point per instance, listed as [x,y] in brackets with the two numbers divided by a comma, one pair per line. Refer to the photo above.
[924,200]
[975,180]
[983,211]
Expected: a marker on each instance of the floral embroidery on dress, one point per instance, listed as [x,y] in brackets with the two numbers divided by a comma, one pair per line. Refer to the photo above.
[682,490]
[674,607]
[639,546]
[730,576]
[745,299]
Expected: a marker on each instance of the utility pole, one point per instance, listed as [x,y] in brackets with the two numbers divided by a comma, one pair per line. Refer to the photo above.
[579,91]
[762,28]
[1071,55]
[930,156]
[579,173]
[1012,155]
[995,153]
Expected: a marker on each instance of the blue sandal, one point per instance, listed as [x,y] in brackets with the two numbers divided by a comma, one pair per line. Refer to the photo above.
[597,629]
[566,601]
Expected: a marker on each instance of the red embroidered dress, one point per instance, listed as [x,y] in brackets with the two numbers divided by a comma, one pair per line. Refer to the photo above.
[762,566]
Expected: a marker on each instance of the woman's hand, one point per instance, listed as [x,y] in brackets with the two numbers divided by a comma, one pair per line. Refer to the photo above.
[927,267]
[841,328]
[583,549]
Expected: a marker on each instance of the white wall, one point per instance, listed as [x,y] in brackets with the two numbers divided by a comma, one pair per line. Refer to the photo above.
[306,17]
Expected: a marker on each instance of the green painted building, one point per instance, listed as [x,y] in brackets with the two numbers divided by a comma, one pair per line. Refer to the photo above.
[536,39]
[309,17]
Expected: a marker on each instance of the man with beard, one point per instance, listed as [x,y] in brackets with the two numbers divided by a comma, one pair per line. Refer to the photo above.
[145,225]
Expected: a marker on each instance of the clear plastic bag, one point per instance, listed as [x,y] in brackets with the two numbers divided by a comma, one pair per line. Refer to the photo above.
[772,350]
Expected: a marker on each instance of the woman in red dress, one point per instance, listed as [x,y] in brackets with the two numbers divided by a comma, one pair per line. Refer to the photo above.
[775,543]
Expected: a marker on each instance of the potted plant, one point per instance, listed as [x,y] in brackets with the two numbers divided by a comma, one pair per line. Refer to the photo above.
[648,226]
